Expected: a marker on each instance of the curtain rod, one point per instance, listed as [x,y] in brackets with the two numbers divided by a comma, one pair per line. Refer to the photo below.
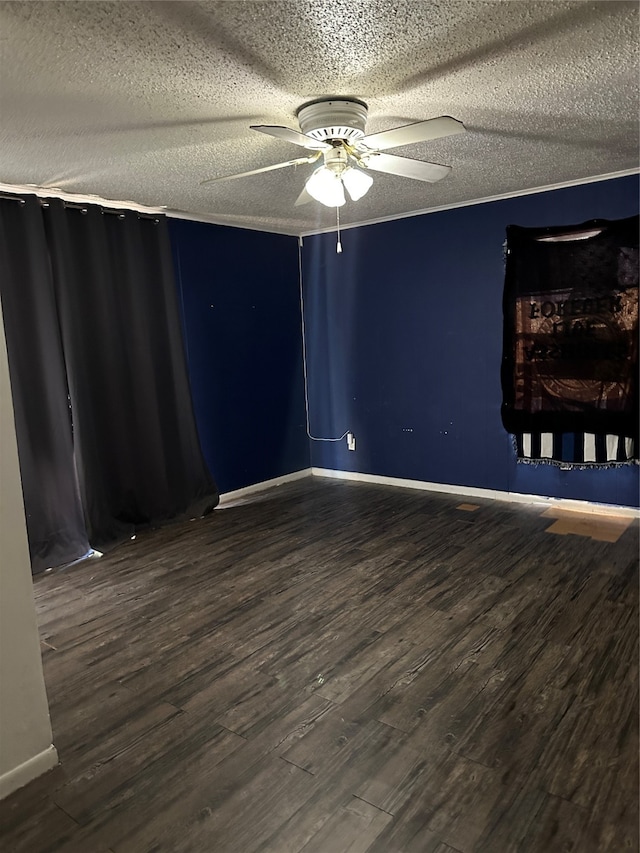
[13,198]
[84,206]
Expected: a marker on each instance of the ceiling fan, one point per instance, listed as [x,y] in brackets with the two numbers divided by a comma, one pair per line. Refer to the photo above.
[333,129]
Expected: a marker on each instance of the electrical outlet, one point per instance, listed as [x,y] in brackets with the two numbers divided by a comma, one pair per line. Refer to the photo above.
[351,441]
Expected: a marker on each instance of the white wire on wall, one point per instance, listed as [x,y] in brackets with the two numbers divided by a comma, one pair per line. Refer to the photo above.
[304,357]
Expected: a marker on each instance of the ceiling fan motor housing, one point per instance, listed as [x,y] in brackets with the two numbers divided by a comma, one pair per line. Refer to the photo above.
[333,119]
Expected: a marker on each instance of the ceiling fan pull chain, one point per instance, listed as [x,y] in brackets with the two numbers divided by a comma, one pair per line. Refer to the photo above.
[339,244]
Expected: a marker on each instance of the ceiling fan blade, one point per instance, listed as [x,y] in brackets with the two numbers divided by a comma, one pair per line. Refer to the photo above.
[297,162]
[303,198]
[292,136]
[419,131]
[405,167]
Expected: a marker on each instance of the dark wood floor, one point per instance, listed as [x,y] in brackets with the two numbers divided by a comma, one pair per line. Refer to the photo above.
[339,667]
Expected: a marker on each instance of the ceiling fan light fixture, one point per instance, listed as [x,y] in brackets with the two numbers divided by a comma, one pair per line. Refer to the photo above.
[326,187]
[357,182]
[334,129]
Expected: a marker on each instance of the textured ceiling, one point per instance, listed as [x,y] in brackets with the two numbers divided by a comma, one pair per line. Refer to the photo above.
[141,101]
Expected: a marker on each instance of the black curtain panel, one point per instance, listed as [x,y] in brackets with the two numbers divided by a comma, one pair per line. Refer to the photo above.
[106,430]
[54,514]
[138,454]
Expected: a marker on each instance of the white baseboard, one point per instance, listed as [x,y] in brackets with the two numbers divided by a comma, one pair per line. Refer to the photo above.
[471,492]
[28,770]
[228,498]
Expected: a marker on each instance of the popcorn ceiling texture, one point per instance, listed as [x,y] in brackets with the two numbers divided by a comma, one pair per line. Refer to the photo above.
[140,101]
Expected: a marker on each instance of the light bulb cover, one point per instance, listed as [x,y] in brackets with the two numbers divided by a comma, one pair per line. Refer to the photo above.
[326,187]
[357,182]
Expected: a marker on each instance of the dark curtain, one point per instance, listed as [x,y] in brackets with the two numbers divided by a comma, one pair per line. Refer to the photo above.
[137,454]
[55,522]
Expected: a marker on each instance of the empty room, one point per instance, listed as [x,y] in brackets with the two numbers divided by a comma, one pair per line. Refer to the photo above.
[319,482]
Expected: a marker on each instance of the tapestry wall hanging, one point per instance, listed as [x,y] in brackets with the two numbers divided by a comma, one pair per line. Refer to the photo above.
[570,347]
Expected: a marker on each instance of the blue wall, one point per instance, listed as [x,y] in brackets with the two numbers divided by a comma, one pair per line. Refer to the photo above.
[404,339]
[241,311]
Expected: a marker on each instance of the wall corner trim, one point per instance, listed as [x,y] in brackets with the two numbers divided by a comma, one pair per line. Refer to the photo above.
[472,492]
[28,770]
[230,498]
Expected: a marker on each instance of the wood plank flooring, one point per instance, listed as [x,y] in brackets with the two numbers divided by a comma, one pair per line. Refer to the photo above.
[333,667]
